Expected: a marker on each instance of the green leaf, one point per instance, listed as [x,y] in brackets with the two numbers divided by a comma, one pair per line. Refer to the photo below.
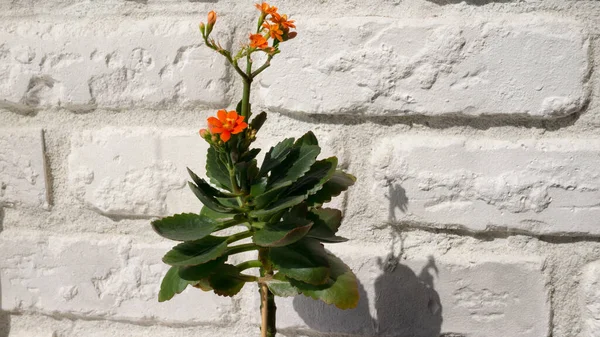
[201,271]
[203,284]
[171,285]
[246,173]
[339,182]
[327,217]
[308,138]
[231,203]
[318,174]
[283,233]
[298,162]
[268,197]
[340,289]
[280,286]
[305,261]
[259,187]
[258,121]
[196,252]
[276,155]
[326,224]
[249,155]
[280,205]
[217,216]
[226,281]
[203,193]
[217,171]
[184,227]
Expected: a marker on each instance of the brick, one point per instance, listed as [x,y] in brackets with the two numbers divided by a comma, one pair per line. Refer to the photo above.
[43,326]
[138,171]
[546,186]
[22,168]
[142,171]
[527,65]
[153,62]
[590,300]
[107,277]
[479,295]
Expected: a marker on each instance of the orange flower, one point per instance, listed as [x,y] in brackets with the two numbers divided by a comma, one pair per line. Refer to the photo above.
[258,41]
[283,21]
[212,18]
[265,8]
[226,124]
[274,31]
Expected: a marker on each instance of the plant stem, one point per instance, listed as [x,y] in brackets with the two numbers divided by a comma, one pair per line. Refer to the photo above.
[239,236]
[248,265]
[247,83]
[267,299]
[241,248]
[263,67]
[268,312]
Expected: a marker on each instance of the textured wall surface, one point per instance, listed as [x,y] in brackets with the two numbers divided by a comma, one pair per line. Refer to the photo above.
[473,127]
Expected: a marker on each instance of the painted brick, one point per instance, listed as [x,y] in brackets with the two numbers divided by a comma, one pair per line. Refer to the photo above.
[138,171]
[142,171]
[110,278]
[22,168]
[590,300]
[546,186]
[526,65]
[81,65]
[478,295]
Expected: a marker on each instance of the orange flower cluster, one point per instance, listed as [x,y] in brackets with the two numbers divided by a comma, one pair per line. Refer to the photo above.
[278,27]
[226,124]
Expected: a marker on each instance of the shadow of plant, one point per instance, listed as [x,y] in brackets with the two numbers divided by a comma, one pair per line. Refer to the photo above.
[406,304]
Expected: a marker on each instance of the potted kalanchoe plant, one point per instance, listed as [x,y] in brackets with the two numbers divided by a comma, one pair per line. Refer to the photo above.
[277,205]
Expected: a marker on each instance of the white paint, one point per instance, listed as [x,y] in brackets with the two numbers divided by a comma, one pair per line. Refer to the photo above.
[22,168]
[382,66]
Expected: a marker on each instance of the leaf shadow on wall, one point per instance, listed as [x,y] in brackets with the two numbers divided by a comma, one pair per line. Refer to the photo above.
[406,304]
[398,200]
[469,2]
[4,316]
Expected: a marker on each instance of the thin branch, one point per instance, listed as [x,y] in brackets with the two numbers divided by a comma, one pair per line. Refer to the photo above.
[263,67]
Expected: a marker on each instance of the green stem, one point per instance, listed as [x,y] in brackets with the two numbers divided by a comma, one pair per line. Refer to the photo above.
[241,248]
[247,278]
[247,83]
[263,67]
[232,223]
[248,265]
[267,298]
[233,181]
[239,236]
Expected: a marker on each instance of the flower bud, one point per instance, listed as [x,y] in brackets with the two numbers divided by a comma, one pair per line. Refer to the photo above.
[291,35]
[202,28]
[212,18]
[203,133]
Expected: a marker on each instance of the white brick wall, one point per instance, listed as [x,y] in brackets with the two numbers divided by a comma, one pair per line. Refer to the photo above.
[472,127]
[433,67]
[22,168]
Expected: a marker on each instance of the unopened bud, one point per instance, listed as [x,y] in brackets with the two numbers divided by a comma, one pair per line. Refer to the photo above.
[203,133]
[202,28]
[212,18]
[292,35]
[214,138]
